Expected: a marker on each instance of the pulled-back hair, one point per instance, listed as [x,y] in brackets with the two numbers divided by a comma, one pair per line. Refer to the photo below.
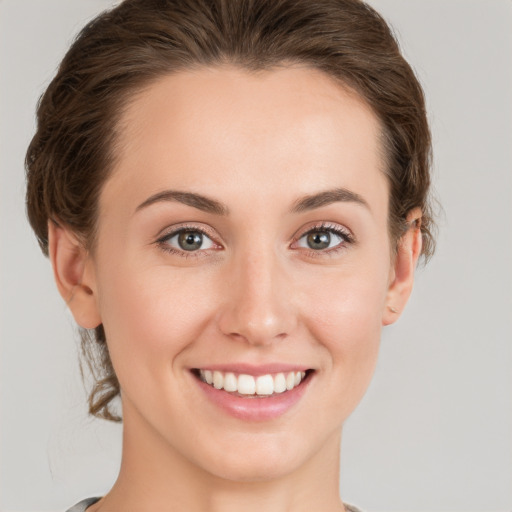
[125,49]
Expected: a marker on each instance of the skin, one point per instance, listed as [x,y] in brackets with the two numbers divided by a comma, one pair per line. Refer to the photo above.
[256,293]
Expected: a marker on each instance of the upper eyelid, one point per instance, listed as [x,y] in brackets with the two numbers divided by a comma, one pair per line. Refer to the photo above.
[163,241]
[171,231]
[325,226]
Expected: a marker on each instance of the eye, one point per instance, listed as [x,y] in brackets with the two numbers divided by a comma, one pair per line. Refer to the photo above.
[187,240]
[325,238]
[320,240]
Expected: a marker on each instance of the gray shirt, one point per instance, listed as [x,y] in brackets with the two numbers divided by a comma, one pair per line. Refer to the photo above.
[82,506]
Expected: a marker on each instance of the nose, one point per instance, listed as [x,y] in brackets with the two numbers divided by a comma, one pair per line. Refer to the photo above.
[257,306]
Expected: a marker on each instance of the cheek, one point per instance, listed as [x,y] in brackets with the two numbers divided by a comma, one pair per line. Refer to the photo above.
[150,316]
[344,317]
[345,309]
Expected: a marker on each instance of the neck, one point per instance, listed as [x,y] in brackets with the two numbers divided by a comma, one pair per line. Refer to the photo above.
[156,476]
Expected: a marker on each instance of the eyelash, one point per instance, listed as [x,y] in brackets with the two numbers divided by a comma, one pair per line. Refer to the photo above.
[327,227]
[323,227]
[163,241]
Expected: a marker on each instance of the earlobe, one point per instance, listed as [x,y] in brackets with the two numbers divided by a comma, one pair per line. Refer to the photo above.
[406,259]
[74,275]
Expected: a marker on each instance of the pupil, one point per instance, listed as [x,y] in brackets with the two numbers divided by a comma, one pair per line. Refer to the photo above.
[319,240]
[190,240]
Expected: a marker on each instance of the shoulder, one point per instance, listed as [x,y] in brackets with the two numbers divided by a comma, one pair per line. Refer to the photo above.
[82,505]
[351,508]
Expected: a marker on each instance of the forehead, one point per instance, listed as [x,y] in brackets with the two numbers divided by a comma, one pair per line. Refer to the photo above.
[209,128]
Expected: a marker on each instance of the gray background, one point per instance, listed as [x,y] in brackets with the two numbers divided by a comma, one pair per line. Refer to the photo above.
[434,432]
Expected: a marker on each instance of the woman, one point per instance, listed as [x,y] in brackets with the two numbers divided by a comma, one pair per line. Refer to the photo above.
[234,197]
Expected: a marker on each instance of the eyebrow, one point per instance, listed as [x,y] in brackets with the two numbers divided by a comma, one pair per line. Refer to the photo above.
[198,201]
[209,205]
[327,197]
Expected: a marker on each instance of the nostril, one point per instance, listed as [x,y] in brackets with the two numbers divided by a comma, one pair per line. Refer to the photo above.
[256,318]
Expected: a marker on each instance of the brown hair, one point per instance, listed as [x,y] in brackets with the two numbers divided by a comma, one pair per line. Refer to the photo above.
[125,49]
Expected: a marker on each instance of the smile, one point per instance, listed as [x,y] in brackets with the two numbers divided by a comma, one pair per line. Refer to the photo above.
[254,394]
[249,385]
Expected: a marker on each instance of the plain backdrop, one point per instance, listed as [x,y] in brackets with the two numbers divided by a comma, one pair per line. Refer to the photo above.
[434,432]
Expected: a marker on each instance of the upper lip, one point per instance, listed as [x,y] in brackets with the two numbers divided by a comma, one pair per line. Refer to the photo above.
[252,369]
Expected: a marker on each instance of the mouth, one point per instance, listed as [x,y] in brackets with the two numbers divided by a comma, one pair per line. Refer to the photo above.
[254,394]
[253,386]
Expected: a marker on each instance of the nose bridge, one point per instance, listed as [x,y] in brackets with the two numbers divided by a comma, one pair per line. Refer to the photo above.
[257,307]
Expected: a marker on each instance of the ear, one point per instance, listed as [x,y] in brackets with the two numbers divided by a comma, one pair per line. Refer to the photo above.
[74,275]
[402,273]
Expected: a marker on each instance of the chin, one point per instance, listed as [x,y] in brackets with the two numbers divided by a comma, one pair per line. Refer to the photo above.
[254,470]
[259,458]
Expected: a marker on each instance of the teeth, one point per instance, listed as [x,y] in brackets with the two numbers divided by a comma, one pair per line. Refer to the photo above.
[279,383]
[246,385]
[218,380]
[230,382]
[263,385]
[290,381]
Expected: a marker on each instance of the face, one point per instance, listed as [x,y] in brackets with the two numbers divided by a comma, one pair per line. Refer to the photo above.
[243,234]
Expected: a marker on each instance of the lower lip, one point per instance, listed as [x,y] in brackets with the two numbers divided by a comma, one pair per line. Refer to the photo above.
[254,407]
